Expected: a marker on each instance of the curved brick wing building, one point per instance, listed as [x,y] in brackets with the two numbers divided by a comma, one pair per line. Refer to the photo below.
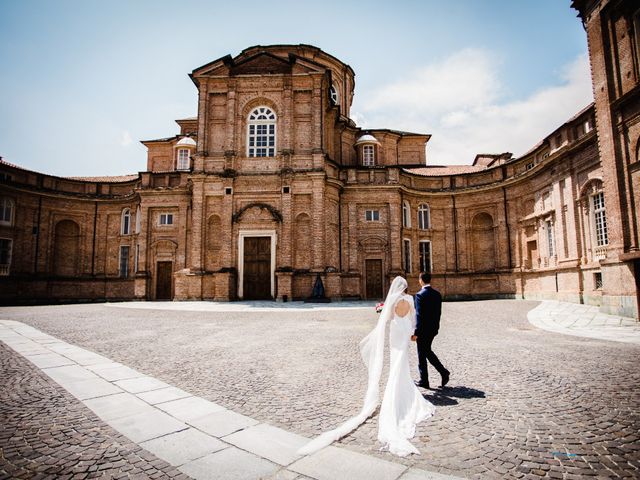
[273,185]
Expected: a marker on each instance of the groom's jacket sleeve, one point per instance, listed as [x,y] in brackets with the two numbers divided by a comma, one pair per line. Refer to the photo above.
[419,312]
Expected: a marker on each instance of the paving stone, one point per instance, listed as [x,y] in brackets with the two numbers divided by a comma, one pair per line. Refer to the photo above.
[163,395]
[331,463]
[114,372]
[145,426]
[190,408]
[141,384]
[48,360]
[91,388]
[269,442]
[116,406]
[230,464]
[222,423]
[184,446]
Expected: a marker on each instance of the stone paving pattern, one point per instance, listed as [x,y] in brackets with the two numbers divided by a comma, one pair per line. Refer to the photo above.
[523,403]
[47,433]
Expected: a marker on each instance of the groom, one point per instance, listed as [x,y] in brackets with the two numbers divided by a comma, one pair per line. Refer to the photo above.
[428,303]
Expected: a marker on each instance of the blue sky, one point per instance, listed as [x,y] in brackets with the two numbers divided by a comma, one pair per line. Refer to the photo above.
[83,81]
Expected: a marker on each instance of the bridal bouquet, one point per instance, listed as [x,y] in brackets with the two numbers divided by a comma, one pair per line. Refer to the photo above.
[379,307]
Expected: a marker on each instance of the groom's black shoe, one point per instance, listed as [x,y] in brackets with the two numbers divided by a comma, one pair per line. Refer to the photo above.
[445,380]
[421,384]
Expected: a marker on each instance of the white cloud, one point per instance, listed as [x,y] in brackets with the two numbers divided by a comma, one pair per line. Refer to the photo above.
[125,139]
[458,100]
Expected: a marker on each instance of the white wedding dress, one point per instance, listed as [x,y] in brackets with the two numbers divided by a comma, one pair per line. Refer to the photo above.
[402,405]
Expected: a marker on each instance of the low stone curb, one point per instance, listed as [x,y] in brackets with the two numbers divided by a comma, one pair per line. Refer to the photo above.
[584,321]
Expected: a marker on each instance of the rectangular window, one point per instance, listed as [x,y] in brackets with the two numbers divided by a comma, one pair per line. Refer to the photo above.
[550,240]
[5,256]
[183,159]
[372,215]
[530,165]
[6,211]
[166,219]
[407,255]
[600,220]
[124,261]
[597,281]
[368,156]
[135,259]
[425,256]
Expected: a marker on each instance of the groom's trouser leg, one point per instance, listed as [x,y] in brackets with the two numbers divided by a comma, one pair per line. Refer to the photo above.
[426,354]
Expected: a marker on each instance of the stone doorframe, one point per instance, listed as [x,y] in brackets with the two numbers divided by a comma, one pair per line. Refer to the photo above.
[256,233]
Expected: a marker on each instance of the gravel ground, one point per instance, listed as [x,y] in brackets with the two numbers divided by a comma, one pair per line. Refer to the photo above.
[522,402]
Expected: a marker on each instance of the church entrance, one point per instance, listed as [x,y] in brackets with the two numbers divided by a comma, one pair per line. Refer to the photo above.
[164,273]
[373,280]
[257,268]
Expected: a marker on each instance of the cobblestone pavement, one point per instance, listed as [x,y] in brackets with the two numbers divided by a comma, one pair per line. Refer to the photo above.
[523,403]
[46,433]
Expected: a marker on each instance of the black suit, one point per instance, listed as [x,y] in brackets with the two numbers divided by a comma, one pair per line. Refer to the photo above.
[428,304]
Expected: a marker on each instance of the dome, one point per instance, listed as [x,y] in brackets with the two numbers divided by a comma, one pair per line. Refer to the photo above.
[187,142]
[367,138]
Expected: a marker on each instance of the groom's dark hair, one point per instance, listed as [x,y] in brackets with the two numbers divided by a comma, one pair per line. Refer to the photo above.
[425,277]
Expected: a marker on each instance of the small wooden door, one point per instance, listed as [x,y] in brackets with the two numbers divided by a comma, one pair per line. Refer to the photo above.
[373,279]
[257,268]
[164,273]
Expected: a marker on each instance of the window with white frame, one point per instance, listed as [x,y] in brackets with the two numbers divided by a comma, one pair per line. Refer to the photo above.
[425,256]
[124,261]
[368,155]
[125,224]
[372,215]
[423,217]
[5,256]
[138,219]
[600,219]
[6,211]
[261,133]
[183,159]
[407,255]
[333,95]
[550,240]
[166,219]
[406,214]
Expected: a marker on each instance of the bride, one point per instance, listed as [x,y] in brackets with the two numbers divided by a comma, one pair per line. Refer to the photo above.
[402,404]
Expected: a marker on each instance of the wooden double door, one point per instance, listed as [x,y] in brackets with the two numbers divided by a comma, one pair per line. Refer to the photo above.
[256,282]
[373,278]
[164,280]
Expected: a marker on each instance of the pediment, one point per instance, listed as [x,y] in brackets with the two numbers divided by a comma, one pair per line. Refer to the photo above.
[373,244]
[263,63]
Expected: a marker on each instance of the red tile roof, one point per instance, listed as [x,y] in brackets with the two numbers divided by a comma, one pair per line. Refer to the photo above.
[440,171]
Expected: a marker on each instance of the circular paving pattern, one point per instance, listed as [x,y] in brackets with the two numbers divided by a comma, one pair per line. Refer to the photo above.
[522,402]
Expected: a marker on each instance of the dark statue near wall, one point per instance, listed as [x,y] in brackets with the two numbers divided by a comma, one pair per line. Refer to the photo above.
[317,294]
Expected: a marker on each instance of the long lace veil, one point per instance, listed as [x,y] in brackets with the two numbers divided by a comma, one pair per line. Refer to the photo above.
[372,352]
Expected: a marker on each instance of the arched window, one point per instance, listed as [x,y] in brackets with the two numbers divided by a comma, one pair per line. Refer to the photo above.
[424,222]
[66,248]
[483,252]
[368,155]
[333,95]
[406,214]
[125,224]
[6,211]
[183,159]
[261,133]
[599,219]
[138,219]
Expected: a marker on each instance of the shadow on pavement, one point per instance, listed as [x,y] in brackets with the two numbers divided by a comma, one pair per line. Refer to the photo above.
[447,396]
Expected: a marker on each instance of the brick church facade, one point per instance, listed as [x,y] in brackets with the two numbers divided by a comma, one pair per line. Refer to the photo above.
[273,185]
